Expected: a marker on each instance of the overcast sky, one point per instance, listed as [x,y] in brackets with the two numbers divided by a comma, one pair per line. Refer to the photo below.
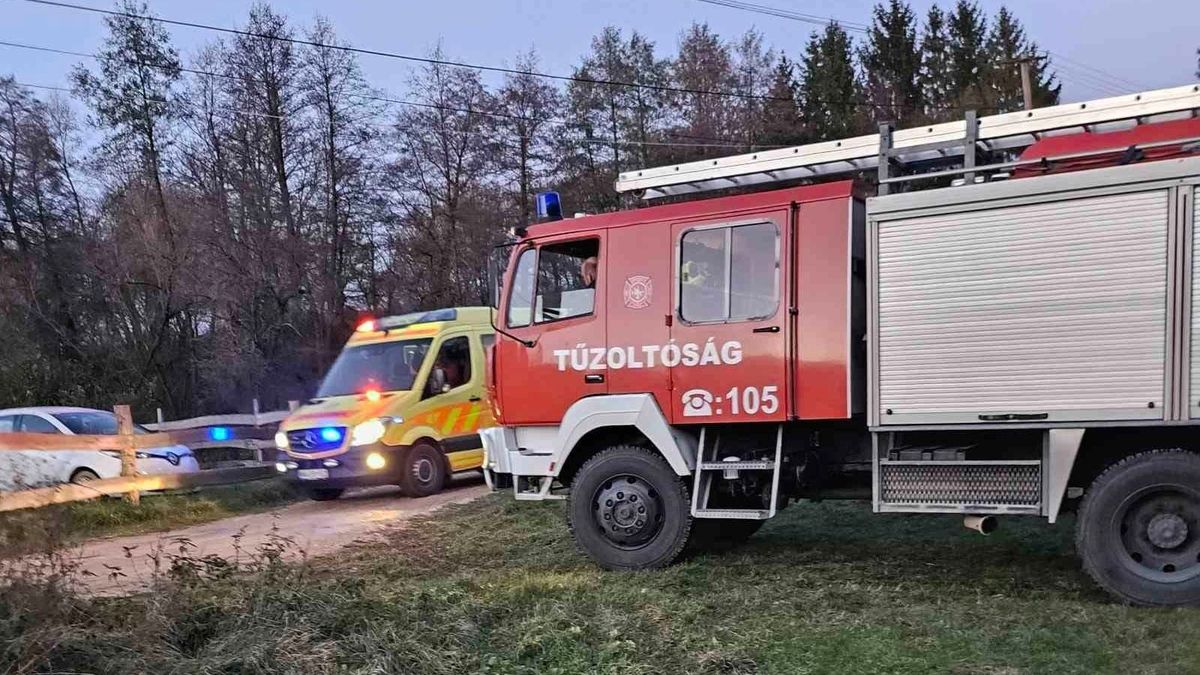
[1137,44]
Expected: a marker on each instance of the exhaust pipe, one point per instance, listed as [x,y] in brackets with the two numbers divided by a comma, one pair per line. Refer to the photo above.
[984,525]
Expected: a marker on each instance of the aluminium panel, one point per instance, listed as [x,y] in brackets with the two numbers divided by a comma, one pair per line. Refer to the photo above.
[1052,311]
[1193,361]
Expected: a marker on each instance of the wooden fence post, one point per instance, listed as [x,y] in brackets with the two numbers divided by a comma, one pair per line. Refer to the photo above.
[128,451]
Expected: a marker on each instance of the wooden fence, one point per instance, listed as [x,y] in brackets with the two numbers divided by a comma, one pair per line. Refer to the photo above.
[255,432]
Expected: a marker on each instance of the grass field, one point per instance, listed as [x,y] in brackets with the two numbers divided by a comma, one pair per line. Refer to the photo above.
[495,587]
[22,531]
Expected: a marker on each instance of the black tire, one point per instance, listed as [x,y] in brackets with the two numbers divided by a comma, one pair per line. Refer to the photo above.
[324,494]
[635,487]
[424,471]
[1138,531]
[83,476]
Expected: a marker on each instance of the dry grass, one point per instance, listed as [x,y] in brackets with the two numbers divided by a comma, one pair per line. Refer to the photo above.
[495,587]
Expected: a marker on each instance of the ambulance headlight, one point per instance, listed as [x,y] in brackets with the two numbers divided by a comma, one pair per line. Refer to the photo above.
[281,440]
[368,432]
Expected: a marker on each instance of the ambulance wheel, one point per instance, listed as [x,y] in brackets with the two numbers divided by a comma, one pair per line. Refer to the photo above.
[424,471]
[1138,531]
[324,494]
[628,510]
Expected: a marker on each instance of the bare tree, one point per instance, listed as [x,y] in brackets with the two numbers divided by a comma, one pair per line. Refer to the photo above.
[527,108]
[438,184]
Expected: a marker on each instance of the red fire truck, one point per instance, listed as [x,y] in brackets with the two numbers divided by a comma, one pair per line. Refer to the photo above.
[1018,341]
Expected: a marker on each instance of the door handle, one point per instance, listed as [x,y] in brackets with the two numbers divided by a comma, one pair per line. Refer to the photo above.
[593,379]
[767,329]
[475,399]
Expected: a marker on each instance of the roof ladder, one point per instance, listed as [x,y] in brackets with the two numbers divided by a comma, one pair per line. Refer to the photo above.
[930,146]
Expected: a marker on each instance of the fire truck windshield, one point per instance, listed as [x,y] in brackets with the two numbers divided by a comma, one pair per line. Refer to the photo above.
[385,366]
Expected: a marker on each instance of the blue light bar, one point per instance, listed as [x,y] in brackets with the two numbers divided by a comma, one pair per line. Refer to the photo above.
[548,206]
[219,433]
[331,434]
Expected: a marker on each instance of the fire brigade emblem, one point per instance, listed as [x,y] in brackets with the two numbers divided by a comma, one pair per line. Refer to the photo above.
[638,291]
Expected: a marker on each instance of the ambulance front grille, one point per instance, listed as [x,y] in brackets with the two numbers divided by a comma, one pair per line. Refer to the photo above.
[961,485]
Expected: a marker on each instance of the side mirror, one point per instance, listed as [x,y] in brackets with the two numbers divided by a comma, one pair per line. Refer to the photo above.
[437,382]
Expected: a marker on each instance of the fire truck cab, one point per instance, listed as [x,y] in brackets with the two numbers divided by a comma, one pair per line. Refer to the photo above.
[1002,346]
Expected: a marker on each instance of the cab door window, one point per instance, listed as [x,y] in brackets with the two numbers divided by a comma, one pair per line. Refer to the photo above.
[520,299]
[452,368]
[729,273]
[566,280]
[8,424]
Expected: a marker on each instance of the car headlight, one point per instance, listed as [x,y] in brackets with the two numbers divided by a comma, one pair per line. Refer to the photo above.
[368,432]
[281,440]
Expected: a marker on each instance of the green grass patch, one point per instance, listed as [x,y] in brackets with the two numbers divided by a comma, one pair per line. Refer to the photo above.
[38,529]
[495,587]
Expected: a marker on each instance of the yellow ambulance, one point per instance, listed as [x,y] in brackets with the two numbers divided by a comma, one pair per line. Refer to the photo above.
[402,405]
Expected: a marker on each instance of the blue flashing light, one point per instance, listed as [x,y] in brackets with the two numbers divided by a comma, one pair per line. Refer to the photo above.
[219,433]
[548,206]
[331,434]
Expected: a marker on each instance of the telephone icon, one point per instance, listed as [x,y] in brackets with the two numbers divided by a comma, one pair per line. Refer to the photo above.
[697,403]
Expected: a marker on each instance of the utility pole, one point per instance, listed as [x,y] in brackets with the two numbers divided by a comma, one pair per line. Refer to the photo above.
[1027,81]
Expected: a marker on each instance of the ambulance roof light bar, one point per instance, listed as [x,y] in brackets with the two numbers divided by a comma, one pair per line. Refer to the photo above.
[932,143]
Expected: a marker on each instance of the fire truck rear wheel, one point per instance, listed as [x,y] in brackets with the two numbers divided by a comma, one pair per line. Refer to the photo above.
[628,510]
[1138,531]
[424,471]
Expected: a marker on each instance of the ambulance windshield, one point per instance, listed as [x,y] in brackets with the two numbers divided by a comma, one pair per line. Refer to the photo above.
[384,366]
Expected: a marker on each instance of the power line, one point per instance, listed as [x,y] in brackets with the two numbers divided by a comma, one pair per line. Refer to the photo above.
[232,113]
[552,121]
[1100,73]
[1082,73]
[403,57]
[789,14]
[456,64]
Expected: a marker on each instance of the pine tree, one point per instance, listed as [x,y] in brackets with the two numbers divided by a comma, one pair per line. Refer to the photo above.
[968,63]
[829,90]
[1007,46]
[781,123]
[935,65]
[891,62]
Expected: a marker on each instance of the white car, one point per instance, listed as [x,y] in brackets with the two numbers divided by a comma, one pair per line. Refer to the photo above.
[21,469]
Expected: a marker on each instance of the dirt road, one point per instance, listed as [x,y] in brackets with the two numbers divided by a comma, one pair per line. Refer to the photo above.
[126,564]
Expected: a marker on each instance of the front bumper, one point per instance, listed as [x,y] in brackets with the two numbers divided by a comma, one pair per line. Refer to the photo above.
[346,470]
[505,462]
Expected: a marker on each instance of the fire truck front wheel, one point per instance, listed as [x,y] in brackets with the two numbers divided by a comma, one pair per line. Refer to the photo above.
[628,510]
[1139,529]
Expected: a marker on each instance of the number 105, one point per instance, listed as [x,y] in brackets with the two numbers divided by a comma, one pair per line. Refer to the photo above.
[753,400]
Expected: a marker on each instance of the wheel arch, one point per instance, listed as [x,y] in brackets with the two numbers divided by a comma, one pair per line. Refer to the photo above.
[596,422]
[1104,446]
[76,470]
[433,443]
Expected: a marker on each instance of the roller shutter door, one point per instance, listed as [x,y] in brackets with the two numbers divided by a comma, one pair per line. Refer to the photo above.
[1052,311]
